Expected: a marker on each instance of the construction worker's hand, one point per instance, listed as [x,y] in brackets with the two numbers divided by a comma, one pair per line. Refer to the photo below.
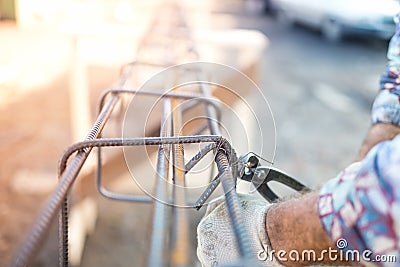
[217,241]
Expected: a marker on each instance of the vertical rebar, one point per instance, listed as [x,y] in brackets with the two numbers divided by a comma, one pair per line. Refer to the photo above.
[161,211]
[63,243]
[228,181]
[210,111]
[63,227]
[94,133]
[180,229]
[233,204]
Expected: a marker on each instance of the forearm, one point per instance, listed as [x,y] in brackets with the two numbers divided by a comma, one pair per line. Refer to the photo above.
[377,133]
[294,225]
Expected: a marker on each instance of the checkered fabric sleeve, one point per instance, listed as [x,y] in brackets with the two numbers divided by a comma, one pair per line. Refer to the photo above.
[362,204]
[386,107]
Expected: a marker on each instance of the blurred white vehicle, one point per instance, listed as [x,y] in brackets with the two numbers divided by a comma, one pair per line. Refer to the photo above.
[336,18]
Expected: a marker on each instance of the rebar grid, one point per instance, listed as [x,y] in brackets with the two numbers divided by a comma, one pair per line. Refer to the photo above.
[69,170]
[167,220]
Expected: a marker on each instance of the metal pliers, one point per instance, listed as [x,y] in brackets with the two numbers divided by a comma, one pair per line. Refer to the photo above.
[251,171]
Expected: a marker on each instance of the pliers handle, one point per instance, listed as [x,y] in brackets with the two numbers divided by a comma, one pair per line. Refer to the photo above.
[262,175]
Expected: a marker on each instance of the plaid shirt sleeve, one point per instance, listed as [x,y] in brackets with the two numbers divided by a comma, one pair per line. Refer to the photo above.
[362,204]
[386,107]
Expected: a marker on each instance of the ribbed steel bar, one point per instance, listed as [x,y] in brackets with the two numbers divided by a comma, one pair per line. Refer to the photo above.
[41,227]
[207,193]
[146,199]
[180,255]
[141,198]
[111,195]
[199,155]
[190,96]
[140,141]
[211,113]
[161,212]
[200,130]
[228,179]
[233,204]
[63,216]
[94,133]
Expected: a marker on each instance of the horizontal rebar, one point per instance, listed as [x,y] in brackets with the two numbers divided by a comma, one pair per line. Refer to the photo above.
[189,96]
[146,199]
[113,142]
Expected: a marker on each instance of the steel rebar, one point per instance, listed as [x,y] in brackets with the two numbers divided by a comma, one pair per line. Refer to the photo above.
[199,155]
[189,96]
[41,227]
[228,180]
[233,205]
[161,217]
[180,228]
[104,114]
[207,193]
[146,199]
[63,217]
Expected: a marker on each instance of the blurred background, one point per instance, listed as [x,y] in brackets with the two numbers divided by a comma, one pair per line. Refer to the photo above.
[319,71]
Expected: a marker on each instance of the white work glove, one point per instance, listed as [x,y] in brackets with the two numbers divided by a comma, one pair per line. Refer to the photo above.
[217,242]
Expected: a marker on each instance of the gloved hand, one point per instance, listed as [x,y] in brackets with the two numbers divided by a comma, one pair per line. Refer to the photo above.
[216,240]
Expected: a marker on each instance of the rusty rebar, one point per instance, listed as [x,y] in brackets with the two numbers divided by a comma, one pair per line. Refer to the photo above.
[226,162]
[233,205]
[104,114]
[63,217]
[41,227]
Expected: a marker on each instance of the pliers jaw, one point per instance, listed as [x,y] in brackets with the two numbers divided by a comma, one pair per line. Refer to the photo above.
[247,166]
[251,171]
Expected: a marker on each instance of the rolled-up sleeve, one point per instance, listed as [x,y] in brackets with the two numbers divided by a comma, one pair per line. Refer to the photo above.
[362,204]
[386,107]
